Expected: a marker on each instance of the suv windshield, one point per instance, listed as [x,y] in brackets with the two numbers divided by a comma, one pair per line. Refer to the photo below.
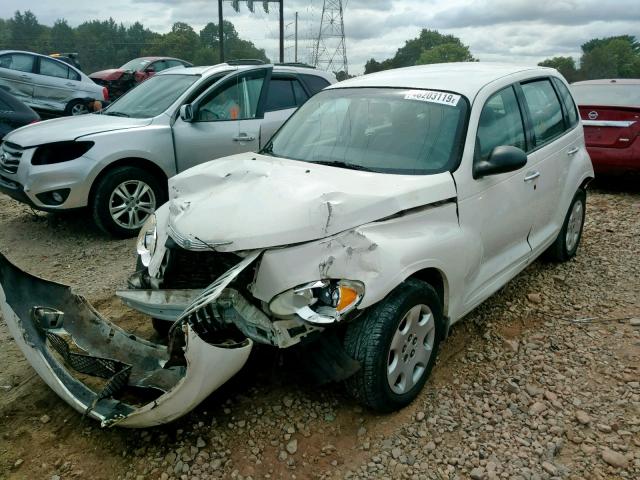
[376,129]
[151,97]
[607,95]
[137,64]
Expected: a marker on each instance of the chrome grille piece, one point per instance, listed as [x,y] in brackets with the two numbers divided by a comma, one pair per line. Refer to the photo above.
[10,155]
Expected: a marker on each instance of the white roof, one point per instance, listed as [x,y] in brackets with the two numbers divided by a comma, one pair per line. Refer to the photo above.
[464,78]
[224,67]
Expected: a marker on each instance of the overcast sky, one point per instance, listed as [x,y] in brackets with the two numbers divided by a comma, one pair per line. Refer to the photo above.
[523,31]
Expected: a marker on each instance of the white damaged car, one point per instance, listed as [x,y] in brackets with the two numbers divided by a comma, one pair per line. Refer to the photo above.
[387,208]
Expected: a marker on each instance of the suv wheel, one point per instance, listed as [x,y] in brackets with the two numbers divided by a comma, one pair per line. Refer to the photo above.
[396,343]
[566,244]
[76,107]
[124,198]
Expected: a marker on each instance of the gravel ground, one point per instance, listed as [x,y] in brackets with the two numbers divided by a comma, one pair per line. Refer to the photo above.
[524,388]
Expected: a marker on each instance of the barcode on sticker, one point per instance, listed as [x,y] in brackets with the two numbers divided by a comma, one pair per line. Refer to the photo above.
[443,98]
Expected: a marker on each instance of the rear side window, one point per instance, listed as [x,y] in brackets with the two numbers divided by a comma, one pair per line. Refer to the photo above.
[52,68]
[545,111]
[285,93]
[500,124]
[569,105]
[17,61]
[73,75]
[314,83]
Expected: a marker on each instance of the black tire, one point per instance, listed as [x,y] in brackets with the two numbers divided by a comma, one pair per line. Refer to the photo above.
[74,105]
[559,251]
[161,326]
[105,188]
[368,340]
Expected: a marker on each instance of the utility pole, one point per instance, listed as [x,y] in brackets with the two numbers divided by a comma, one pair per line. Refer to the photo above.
[330,51]
[236,7]
[220,32]
[295,56]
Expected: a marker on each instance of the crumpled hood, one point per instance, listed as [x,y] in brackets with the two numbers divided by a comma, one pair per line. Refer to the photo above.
[70,128]
[250,201]
[109,74]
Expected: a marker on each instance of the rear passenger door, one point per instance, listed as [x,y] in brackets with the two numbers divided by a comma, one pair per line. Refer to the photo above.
[54,85]
[554,141]
[284,96]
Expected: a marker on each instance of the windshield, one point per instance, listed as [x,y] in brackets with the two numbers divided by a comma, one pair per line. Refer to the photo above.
[376,129]
[137,64]
[607,95]
[151,97]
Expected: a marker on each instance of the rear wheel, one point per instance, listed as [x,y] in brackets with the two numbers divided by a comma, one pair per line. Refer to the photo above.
[566,244]
[396,343]
[76,107]
[124,199]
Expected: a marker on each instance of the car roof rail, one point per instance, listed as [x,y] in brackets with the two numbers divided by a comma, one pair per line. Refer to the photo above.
[246,61]
[295,64]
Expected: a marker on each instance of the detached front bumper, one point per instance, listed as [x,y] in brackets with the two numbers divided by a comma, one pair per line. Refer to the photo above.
[99,369]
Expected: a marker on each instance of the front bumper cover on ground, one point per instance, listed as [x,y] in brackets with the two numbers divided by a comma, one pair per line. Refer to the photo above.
[98,368]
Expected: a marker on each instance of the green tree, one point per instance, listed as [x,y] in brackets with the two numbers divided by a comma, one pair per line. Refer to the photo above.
[412,51]
[565,65]
[611,57]
[446,53]
[62,37]
[25,31]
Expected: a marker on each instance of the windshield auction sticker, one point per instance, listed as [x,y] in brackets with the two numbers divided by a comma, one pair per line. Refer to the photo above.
[431,96]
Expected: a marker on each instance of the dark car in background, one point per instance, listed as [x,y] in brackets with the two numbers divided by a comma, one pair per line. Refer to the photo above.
[120,80]
[68,58]
[610,111]
[13,113]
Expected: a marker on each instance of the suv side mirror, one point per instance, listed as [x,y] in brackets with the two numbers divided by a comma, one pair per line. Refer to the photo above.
[503,159]
[186,113]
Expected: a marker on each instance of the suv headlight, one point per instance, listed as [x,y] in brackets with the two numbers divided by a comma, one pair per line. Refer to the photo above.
[147,240]
[59,152]
[320,302]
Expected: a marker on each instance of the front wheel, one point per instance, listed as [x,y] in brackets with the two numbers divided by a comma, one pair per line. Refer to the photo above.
[566,244]
[124,199]
[396,343]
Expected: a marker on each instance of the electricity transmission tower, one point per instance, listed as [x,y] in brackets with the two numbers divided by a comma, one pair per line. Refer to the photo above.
[330,51]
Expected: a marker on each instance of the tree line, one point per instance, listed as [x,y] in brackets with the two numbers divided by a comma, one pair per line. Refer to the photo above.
[102,44]
[611,57]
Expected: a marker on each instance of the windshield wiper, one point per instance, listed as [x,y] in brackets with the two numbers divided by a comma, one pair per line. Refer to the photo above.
[350,166]
[117,114]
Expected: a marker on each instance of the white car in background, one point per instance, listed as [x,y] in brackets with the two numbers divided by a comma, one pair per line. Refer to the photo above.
[47,84]
[117,162]
[385,210]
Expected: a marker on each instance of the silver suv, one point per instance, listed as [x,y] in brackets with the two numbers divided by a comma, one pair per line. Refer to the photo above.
[117,163]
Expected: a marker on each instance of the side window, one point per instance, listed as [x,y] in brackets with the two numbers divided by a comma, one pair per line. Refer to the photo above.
[51,68]
[159,66]
[73,75]
[17,61]
[298,91]
[280,95]
[545,111]
[174,63]
[500,124]
[314,83]
[235,100]
[569,104]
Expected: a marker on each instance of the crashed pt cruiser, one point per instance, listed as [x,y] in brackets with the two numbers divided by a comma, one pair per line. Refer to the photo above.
[383,211]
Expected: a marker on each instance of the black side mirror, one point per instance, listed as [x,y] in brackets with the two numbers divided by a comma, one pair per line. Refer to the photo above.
[503,159]
[186,113]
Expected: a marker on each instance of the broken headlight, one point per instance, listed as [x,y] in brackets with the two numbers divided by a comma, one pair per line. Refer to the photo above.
[147,240]
[320,302]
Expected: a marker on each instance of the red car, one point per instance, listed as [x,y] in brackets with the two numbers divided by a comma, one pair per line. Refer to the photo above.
[119,80]
[610,111]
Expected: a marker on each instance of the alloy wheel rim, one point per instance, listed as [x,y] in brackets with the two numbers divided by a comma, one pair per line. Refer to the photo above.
[79,109]
[411,348]
[131,203]
[574,226]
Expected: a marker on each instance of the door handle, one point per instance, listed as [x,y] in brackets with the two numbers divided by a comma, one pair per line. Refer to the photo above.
[573,151]
[69,84]
[26,77]
[243,137]
[531,176]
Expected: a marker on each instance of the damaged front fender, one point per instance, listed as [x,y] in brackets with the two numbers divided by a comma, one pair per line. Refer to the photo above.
[98,368]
